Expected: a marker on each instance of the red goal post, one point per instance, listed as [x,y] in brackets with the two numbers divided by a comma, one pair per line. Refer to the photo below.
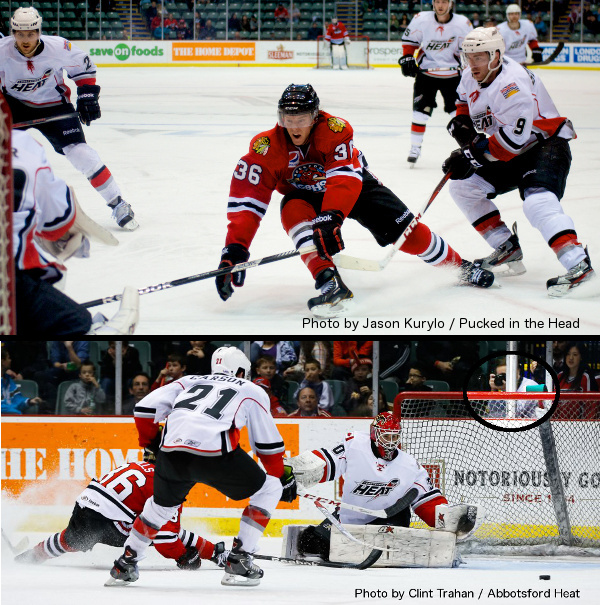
[7,267]
[357,53]
[540,488]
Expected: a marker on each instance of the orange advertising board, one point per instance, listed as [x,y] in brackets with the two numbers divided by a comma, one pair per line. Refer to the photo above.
[50,460]
[213,51]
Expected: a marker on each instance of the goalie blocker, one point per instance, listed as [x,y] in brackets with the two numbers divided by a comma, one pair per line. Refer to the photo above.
[401,546]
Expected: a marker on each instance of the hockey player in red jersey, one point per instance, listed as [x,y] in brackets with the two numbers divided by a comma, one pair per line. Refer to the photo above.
[337,38]
[200,444]
[310,158]
[512,137]
[104,514]
[31,75]
[376,473]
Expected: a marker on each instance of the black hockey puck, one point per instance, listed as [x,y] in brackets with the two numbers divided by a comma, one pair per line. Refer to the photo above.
[544,577]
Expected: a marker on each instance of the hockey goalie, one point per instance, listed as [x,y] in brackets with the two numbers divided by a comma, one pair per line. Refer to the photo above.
[377,474]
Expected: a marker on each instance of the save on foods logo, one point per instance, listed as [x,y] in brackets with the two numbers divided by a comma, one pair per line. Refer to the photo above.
[122,52]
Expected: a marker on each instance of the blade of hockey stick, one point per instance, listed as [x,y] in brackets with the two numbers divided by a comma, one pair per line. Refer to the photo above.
[364,264]
[15,548]
[201,276]
[373,557]
[64,116]
[383,513]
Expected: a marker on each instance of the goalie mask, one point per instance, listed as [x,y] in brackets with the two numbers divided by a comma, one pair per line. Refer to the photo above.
[298,100]
[230,361]
[385,434]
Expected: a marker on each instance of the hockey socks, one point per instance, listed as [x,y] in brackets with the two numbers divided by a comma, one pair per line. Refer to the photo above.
[430,247]
[50,548]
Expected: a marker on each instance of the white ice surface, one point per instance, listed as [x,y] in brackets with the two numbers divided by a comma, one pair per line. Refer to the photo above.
[172,138]
[78,578]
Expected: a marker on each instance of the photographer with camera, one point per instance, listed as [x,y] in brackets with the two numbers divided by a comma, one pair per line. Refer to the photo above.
[497,409]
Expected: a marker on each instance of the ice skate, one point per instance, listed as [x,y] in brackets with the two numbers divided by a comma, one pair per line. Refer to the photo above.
[335,296]
[220,554]
[239,569]
[472,274]
[506,259]
[563,284]
[123,214]
[125,569]
[413,155]
[33,556]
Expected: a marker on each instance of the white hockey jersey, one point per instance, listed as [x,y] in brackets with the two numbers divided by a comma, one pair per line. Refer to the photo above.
[440,43]
[42,206]
[205,414]
[373,481]
[516,40]
[515,110]
[38,81]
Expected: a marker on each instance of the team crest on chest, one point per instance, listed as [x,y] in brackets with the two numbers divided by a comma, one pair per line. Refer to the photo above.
[336,124]
[375,489]
[30,84]
[309,176]
[483,120]
[262,145]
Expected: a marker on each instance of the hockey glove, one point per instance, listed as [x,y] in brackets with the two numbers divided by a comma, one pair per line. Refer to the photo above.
[327,233]
[476,150]
[461,129]
[87,102]
[189,560]
[152,449]
[408,65]
[289,485]
[231,255]
[537,55]
[458,165]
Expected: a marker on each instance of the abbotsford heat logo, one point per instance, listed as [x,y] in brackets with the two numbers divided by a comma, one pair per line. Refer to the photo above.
[309,176]
[483,120]
[375,488]
[440,44]
[28,85]
[261,145]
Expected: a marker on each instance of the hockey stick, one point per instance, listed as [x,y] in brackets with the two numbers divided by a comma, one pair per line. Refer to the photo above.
[383,513]
[15,548]
[373,557]
[365,264]
[551,58]
[201,276]
[64,116]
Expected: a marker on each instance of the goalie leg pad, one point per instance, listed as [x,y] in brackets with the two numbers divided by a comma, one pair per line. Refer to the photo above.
[411,547]
[289,546]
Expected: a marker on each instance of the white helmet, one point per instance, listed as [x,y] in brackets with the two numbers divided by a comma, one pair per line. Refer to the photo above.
[513,8]
[484,39]
[25,19]
[229,361]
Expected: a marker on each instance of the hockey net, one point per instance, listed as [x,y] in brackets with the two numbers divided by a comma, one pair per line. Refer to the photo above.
[357,52]
[540,487]
[7,269]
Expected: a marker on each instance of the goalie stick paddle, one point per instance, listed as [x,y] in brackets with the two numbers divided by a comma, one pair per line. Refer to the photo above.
[15,548]
[373,557]
[201,276]
[364,264]
[64,116]
[383,513]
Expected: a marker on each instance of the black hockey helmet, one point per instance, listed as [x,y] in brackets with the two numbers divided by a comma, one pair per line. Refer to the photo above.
[298,99]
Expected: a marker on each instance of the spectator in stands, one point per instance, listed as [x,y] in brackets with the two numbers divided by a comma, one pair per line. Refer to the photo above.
[592,25]
[170,22]
[314,31]
[183,31]
[277,409]
[140,387]
[366,409]
[281,350]
[308,405]
[403,23]
[313,378]
[559,350]
[174,370]
[448,360]
[394,23]
[346,351]
[85,397]
[540,26]
[131,366]
[575,375]
[156,22]
[296,14]
[417,375]
[253,23]
[13,401]
[321,350]
[245,24]
[281,13]
[151,12]
[475,20]
[208,32]
[497,382]
[198,357]
[267,368]
[490,21]
[234,23]
[360,386]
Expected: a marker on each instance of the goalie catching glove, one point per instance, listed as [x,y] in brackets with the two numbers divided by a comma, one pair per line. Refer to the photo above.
[308,468]
[231,255]
[88,106]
